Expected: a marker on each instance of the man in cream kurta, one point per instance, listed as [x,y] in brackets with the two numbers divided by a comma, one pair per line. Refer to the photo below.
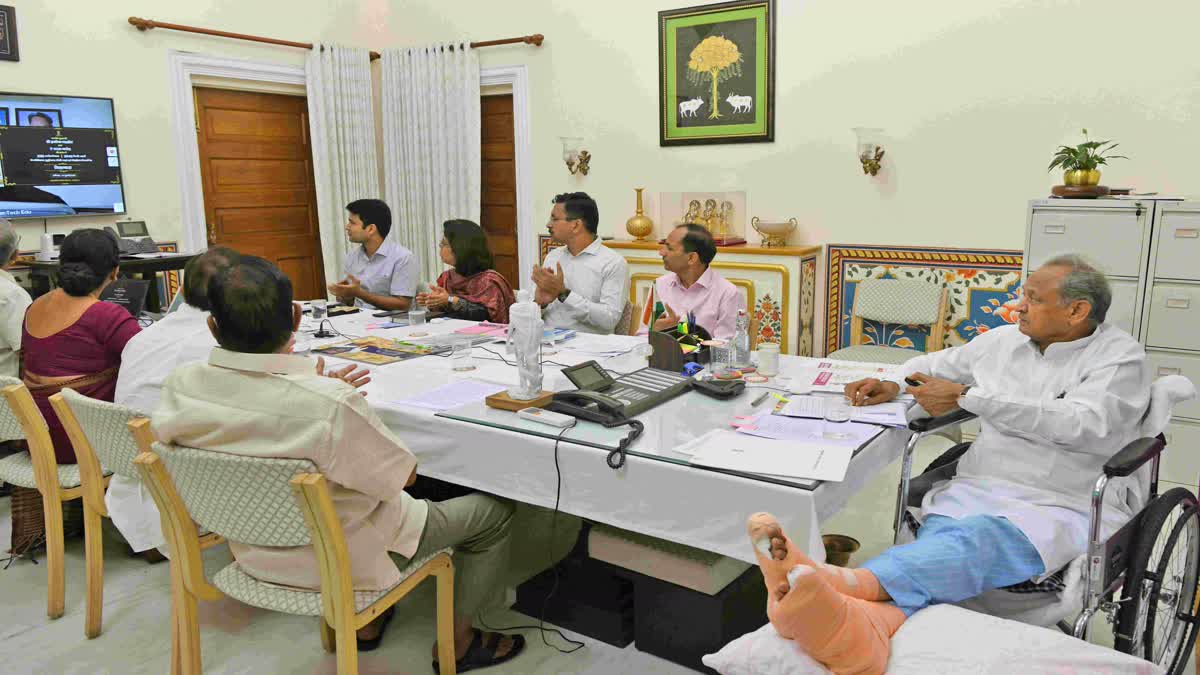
[253,397]
[1057,395]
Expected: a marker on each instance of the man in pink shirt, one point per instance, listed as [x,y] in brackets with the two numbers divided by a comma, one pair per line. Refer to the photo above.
[689,286]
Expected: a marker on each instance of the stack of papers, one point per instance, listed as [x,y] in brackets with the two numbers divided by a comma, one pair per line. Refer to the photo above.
[604,345]
[890,414]
[833,376]
[782,428]
[453,395]
[791,459]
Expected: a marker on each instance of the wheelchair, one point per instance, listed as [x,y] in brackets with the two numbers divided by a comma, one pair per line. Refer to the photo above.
[1142,579]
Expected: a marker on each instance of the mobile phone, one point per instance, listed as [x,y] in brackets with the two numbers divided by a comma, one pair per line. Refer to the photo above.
[911,382]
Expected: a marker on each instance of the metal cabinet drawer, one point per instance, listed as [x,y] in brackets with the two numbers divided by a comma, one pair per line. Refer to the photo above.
[1174,316]
[1123,310]
[1180,462]
[1178,246]
[1187,365]
[1109,238]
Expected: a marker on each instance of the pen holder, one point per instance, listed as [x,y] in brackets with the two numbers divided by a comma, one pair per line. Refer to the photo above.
[669,354]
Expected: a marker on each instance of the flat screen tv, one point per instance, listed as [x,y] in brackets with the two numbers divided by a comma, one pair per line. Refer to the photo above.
[58,157]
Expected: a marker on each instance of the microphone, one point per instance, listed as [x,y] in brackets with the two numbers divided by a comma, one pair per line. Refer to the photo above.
[321,332]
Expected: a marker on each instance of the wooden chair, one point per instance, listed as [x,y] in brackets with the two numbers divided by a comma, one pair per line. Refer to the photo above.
[38,469]
[270,502]
[895,301]
[103,445]
[625,324]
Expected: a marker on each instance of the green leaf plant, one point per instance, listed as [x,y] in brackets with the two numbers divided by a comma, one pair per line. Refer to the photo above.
[1086,156]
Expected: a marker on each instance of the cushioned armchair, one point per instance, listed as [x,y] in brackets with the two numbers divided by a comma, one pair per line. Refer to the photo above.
[894,301]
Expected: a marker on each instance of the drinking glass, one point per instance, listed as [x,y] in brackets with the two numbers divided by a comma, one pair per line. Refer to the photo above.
[837,411]
[319,309]
[460,355]
[416,316]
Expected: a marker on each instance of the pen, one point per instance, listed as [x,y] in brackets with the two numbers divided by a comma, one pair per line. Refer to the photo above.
[782,399]
[760,399]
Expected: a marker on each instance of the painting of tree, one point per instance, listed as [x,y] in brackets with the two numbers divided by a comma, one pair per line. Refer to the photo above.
[716,59]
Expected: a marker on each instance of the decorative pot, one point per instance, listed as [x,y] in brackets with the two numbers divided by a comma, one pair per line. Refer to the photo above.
[839,548]
[639,225]
[1081,177]
[773,233]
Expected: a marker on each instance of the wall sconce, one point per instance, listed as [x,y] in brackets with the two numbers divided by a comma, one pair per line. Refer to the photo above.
[869,151]
[576,159]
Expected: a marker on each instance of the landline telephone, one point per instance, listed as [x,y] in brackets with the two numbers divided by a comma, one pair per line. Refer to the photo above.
[134,238]
[601,409]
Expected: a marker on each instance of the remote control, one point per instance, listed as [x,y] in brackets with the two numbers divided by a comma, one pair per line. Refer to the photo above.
[547,417]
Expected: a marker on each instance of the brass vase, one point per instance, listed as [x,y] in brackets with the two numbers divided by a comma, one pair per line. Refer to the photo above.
[639,225]
[1081,177]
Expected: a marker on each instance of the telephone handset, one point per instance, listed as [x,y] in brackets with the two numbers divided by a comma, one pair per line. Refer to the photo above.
[601,409]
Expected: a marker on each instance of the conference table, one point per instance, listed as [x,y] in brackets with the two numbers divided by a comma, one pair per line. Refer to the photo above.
[657,492]
[146,265]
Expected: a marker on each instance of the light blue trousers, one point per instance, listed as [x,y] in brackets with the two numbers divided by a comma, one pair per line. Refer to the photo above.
[955,559]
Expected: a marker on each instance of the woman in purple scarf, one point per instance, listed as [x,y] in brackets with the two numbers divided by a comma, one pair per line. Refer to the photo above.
[472,290]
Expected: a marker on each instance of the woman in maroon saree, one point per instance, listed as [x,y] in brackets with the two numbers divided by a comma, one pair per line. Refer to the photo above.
[472,290]
[70,338]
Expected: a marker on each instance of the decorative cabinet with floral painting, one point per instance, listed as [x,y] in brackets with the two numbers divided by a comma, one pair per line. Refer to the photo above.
[1150,251]
[779,284]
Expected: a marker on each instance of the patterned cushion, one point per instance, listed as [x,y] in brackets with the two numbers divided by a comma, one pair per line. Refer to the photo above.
[239,585]
[874,354]
[104,424]
[18,470]
[246,499]
[625,322]
[10,427]
[902,301]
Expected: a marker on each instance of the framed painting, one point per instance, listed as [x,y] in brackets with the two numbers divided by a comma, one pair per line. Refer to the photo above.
[716,81]
[8,34]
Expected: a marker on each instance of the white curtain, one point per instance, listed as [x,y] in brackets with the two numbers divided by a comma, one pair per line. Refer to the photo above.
[342,121]
[431,138]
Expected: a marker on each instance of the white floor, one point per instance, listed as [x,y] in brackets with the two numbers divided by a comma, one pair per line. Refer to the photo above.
[240,639]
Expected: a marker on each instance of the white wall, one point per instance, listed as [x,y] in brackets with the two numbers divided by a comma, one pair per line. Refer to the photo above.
[973,96]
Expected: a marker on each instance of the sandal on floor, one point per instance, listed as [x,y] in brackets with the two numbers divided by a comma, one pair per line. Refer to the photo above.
[480,655]
[373,643]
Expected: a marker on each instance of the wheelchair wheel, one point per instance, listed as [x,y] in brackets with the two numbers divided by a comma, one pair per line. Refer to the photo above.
[1157,621]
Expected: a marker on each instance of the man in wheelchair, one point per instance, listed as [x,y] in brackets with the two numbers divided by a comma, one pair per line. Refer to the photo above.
[1057,395]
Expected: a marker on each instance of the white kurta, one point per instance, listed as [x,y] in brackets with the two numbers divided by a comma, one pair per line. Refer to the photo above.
[180,337]
[1049,423]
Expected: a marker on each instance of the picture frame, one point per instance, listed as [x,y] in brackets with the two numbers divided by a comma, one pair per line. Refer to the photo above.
[716,68]
[8,34]
[23,116]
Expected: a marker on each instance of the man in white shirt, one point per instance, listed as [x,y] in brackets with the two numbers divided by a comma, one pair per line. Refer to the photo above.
[584,285]
[1057,395]
[14,300]
[148,358]
[253,397]
[379,272]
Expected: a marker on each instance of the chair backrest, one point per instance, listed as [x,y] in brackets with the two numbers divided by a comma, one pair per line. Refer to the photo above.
[10,426]
[245,499]
[901,301]
[35,432]
[105,426]
[625,323]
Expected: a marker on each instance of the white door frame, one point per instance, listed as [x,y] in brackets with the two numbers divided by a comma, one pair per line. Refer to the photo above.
[183,66]
[527,243]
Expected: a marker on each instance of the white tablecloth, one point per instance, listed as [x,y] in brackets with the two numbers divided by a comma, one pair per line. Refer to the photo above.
[659,495]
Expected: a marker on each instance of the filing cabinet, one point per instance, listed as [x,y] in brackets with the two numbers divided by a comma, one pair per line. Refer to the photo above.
[1150,251]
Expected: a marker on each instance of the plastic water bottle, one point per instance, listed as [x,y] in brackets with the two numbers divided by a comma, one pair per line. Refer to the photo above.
[525,328]
[741,340]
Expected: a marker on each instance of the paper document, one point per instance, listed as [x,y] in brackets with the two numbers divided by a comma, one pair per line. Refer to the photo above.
[890,414]
[484,327]
[453,395]
[793,459]
[783,428]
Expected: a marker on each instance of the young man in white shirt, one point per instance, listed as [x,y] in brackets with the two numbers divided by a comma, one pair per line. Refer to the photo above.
[379,272]
[254,398]
[1057,395]
[14,300]
[583,285]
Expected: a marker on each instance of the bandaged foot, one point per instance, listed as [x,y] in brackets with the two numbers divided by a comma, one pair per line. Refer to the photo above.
[848,635]
[777,556]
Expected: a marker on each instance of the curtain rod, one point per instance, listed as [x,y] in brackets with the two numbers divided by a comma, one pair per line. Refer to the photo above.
[146,24]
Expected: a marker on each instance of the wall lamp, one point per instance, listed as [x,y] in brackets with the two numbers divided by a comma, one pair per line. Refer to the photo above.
[576,159]
[869,151]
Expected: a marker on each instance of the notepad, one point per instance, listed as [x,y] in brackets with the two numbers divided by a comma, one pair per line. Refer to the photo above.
[482,328]
[793,459]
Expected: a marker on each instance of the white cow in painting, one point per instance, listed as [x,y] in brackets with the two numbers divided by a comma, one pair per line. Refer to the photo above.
[740,103]
[688,108]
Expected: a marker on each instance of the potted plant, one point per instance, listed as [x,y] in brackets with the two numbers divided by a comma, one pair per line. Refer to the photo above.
[1081,164]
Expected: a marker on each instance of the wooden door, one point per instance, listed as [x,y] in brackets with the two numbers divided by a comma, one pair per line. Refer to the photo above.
[259,194]
[498,205]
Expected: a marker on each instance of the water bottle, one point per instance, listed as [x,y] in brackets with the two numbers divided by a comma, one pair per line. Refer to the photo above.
[741,341]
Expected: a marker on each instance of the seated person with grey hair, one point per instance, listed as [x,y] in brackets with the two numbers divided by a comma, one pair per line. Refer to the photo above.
[14,300]
[1057,395]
